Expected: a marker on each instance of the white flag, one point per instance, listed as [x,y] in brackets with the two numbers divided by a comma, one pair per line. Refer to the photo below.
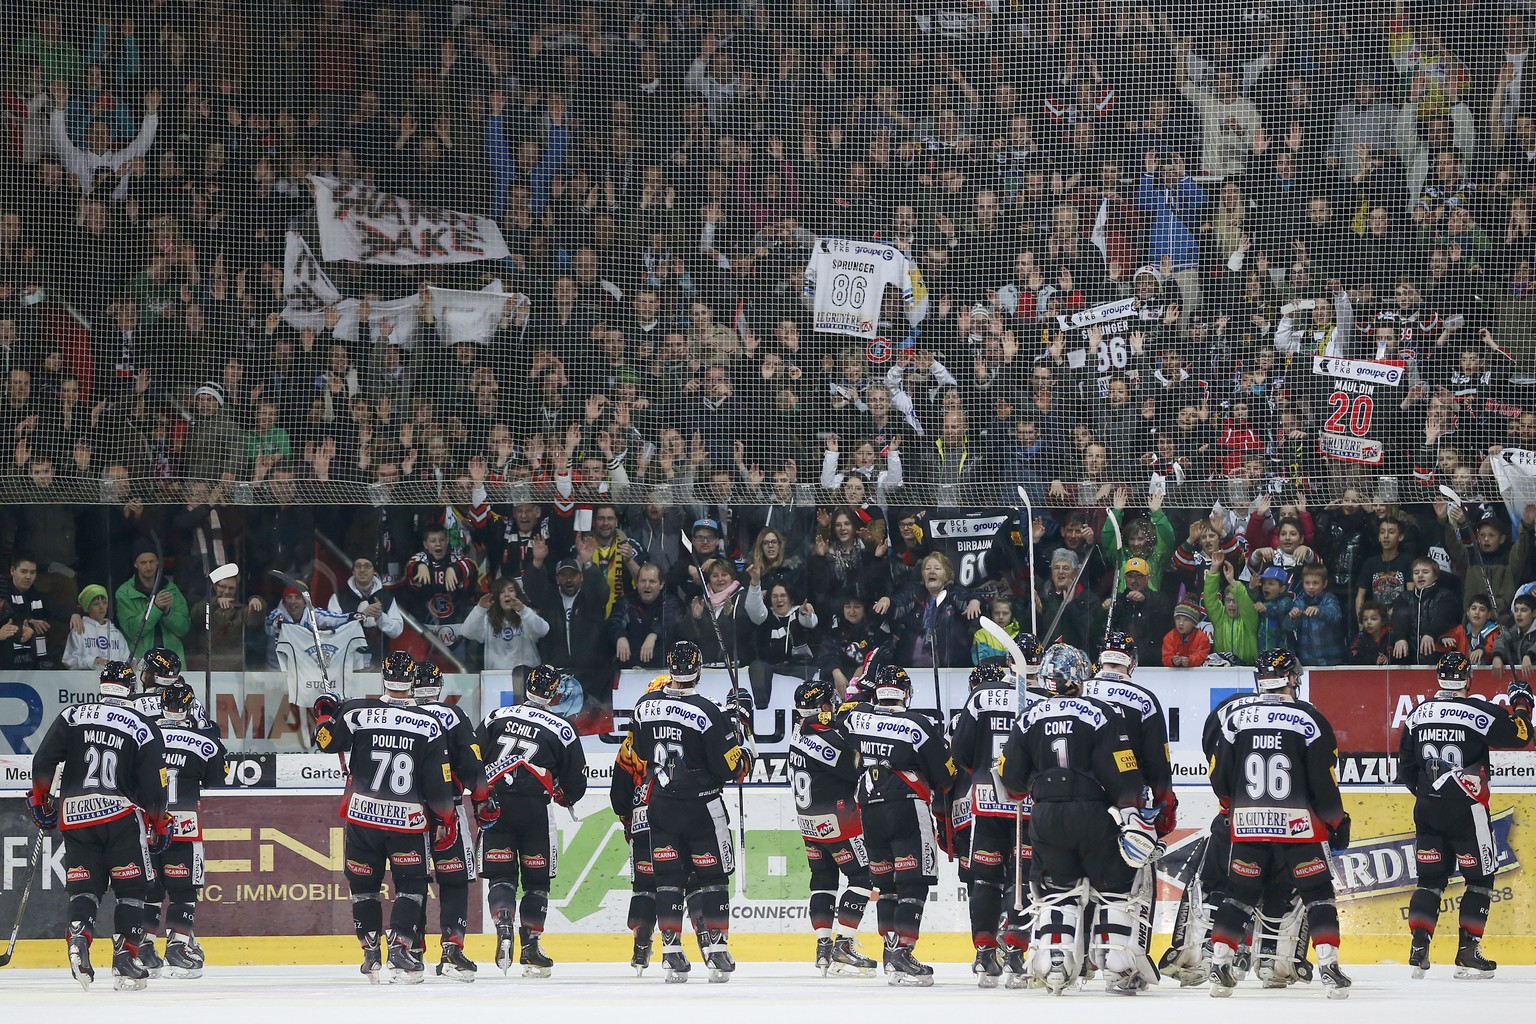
[363,225]
[1515,470]
[469,316]
[307,291]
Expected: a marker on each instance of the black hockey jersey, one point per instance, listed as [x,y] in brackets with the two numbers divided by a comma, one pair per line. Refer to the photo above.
[981,729]
[533,752]
[398,762]
[1072,748]
[194,762]
[464,750]
[689,744]
[151,705]
[1143,714]
[1445,744]
[902,755]
[823,773]
[1274,769]
[114,761]
[1210,734]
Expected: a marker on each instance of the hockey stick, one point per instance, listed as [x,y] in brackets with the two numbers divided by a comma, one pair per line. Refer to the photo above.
[154,592]
[1020,666]
[730,671]
[1027,528]
[227,571]
[34,861]
[1050,631]
[1114,584]
[933,643]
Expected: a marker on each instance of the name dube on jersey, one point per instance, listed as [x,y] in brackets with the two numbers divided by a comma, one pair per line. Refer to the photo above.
[846,281]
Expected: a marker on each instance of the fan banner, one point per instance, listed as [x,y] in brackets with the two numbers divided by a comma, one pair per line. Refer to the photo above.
[1352,431]
[1515,471]
[363,225]
[469,316]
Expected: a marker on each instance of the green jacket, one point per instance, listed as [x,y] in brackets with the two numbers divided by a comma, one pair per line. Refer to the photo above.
[1239,636]
[1116,554]
[161,629]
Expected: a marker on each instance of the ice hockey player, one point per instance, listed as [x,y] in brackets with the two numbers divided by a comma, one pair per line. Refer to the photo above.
[823,772]
[981,727]
[194,762]
[1273,769]
[401,782]
[1444,763]
[692,751]
[453,868]
[111,807]
[1087,831]
[160,668]
[534,757]
[907,773]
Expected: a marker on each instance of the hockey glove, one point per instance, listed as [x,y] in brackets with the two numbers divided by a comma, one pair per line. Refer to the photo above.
[1338,835]
[445,832]
[487,812]
[44,808]
[739,704]
[157,832]
[326,706]
[1138,839]
[1520,697]
[1167,814]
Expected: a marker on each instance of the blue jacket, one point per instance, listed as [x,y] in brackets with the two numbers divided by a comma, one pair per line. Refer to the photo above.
[1175,220]
[1320,638]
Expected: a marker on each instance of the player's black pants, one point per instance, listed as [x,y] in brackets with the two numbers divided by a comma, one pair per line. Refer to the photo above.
[520,847]
[848,858]
[368,851]
[690,844]
[903,864]
[1071,840]
[179,875]
[992,861]
[1254,868]
[1452,832]
[114,854]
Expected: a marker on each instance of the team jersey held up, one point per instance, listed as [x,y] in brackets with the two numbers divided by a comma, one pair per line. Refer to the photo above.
[846,281]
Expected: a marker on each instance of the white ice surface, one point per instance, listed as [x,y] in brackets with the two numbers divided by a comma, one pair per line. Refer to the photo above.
[777,993]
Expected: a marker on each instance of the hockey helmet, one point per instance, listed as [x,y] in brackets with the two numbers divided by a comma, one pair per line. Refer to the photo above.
[1030,647]
[812,696]
[1063,670]
[542,687]
[1454,671]
[1119,650]
[176,702]
[428,684]
[399,672]
[893,685]
[684,663]
[116,681]
[162,667]
[1276,669]
[990,674]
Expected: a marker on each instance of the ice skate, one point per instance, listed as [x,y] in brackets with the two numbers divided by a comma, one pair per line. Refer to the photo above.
[405,966]
[903,968]
[1335,982]
[674,961]
[79,942]
[1418,952]
[640,958]
[454,964]
[504,946]
[128,971]
[183,959]
[824,955]
[150,957]
[848,958]
[535,962]
[1015,974]
[373,958]
[987,967]
[1470,962]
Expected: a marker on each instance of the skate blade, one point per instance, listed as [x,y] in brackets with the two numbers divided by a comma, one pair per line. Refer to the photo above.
[986,981]
[1472,974]
[823,969]
[83,978]
[1338,993]
[1056,982]
[910,980]
[530,971]
[185,973]
[449,971]
[676,977]
[719,977]
[1419,972]
[639,969]
[1220,991]
[1193,977]
[407,977]
[122,984]
[851,970]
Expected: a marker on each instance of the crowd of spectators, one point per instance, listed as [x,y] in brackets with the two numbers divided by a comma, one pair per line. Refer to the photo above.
[1266,182]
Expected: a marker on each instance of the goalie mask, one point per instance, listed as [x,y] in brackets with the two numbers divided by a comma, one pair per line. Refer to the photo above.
[1063,670]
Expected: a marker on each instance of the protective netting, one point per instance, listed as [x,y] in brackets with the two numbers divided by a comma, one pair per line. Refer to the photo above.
[295,249]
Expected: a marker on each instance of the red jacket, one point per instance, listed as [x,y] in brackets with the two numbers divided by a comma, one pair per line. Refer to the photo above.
[1196,647]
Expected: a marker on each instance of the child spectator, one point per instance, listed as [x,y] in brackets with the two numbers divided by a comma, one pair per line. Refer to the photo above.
[1234,620]
[1274,608]
[1318,620]
[97,641]
[1186,645]
[1424,617]
[983,647]
[1516,648]
[1478,632]
[1373,644]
